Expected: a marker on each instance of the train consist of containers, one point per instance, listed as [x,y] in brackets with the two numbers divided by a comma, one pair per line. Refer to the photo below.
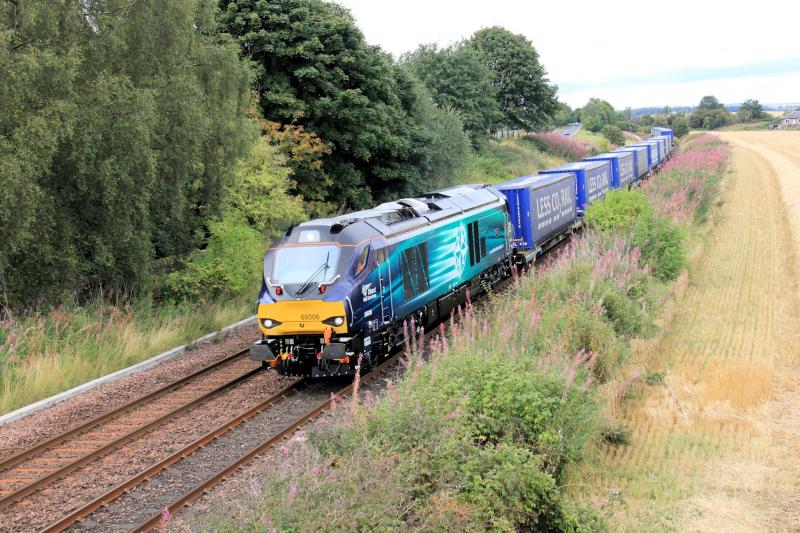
[341,290]
[540,220]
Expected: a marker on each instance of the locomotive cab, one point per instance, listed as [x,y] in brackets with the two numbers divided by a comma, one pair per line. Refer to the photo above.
[305,307]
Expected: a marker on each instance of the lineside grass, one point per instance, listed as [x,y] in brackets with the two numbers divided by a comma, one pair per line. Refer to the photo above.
[509,158]
[45,354]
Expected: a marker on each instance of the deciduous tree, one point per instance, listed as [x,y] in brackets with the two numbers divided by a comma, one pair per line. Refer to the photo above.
[314,69]
[458,78]
[525,96]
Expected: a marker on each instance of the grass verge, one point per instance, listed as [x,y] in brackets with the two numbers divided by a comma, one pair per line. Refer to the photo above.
[44,354]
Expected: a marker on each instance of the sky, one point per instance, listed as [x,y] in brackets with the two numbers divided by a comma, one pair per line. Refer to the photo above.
[635,54]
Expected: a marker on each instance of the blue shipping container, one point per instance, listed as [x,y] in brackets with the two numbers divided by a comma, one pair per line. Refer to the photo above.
[641,165]
[656,131]
[622,171]
[540,207]
[664,144]
[593,179]
[666,140]
[652,146]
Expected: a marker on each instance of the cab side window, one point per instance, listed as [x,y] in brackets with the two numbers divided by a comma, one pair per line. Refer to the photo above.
[361,262]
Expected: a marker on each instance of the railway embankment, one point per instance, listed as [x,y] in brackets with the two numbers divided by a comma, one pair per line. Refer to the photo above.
[492,420]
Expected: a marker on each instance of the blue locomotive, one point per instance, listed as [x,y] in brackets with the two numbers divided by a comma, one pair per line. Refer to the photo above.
[339,289]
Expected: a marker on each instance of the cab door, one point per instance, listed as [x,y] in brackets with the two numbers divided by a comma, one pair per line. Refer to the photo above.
[385,285]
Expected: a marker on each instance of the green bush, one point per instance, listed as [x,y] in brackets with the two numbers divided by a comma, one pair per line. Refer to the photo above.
[680,126]
[613,134]
[229,266]
[620,210]
[662,246]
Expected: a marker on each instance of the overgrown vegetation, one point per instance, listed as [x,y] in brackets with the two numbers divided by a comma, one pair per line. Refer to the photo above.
[485,448]
[133,175]
[484,431]
[121,123]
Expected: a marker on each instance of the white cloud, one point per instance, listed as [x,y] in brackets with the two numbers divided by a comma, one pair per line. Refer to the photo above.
[586,42]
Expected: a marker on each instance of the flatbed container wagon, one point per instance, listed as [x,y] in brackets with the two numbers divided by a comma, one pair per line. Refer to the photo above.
[593,179]
[641,164]
[542,209]
[622,168]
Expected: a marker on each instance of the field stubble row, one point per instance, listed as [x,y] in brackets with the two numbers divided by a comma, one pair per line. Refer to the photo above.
[715,446]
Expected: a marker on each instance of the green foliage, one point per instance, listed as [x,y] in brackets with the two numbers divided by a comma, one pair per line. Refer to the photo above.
[260,192]
[503,160]
[680,126]
[526,98]
[457,77]
[565,115]
[448,147]
[258,209]
[616,432]
[754,108]
[619,211]
[613,134]
[597,113]
[709,102]
[710,114]
[654,378]
[224,269]
[102,167]
[315,69]
[662,246]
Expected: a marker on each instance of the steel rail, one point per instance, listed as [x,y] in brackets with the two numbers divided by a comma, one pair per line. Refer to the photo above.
[116,492]
[208,483]
[33,486]
[6,464]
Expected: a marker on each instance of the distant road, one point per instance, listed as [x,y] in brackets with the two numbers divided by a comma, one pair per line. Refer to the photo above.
[572,129]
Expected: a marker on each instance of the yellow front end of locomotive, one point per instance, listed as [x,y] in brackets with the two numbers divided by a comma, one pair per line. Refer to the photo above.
[302,317]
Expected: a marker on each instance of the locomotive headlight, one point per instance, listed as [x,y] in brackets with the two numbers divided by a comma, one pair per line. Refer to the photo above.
[334,321]
[269,323]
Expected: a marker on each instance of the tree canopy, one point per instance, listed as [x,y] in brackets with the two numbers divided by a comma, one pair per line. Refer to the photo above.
[314,68]
[598,113]
[750,110]
[108,160]
[457,77]
[710,102]
[710,114]
[526,98]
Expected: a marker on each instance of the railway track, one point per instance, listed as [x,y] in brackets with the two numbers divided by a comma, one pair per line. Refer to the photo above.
[209,458]
[212,457]
[35,468]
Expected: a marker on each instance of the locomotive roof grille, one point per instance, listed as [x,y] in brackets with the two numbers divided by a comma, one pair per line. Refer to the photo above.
[391,218]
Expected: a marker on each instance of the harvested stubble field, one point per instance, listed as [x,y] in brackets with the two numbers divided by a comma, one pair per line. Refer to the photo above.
[716,445]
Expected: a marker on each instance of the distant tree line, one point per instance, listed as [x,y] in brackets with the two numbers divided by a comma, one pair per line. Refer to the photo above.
[128,128]
[600,116]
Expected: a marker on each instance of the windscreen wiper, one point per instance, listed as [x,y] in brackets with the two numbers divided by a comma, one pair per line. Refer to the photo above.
[322,268]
